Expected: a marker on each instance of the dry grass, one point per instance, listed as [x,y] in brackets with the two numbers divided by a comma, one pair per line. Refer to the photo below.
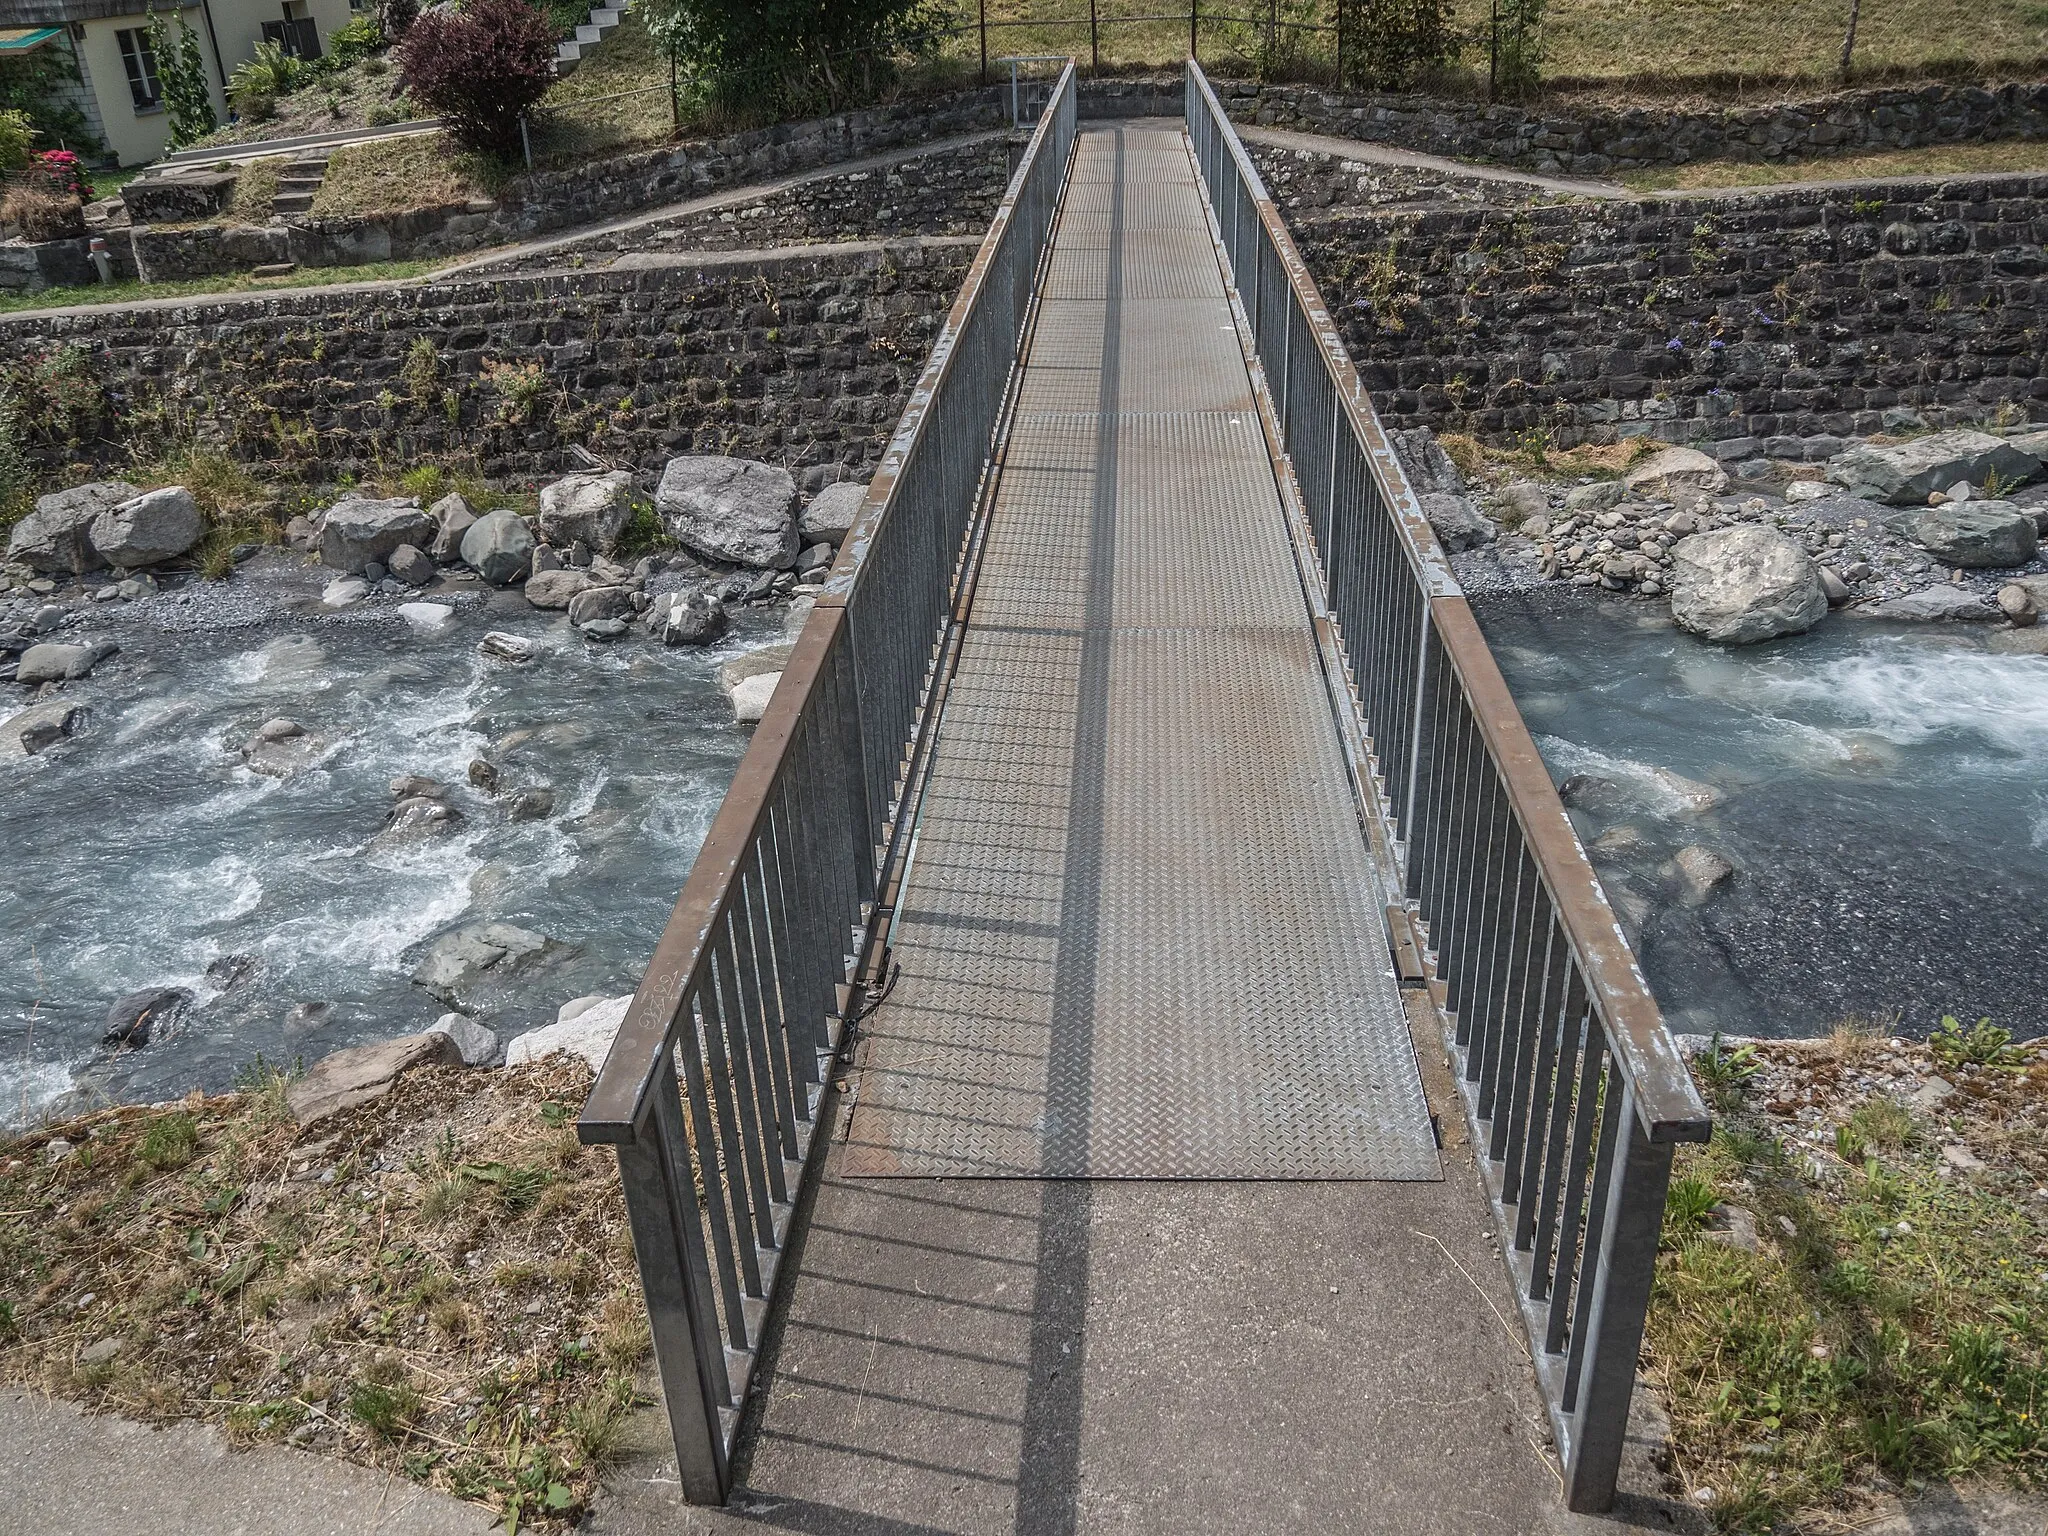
[438,1284]
[256,190]
[1936,160]
[421,170]
[571,125]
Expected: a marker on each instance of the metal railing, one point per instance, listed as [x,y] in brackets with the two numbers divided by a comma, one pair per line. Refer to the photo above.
[1573,1087]
[712,1091]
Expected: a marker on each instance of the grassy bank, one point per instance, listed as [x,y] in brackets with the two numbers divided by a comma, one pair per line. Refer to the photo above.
[1935,160]
[234,282]
[437,1284]
[1852,1302]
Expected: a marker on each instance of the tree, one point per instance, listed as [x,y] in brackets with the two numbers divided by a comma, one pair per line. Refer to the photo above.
[788,56]
[480,67]
[1517,60]
[188,101]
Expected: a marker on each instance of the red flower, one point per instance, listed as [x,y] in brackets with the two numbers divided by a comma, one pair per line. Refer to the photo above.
[67,171]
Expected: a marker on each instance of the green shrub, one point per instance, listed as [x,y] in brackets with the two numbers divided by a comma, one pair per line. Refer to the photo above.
[270,71]
[17,133]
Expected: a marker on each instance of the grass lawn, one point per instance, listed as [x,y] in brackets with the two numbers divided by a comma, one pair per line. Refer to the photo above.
[1935,160]
[1853,1298]
[421,170]
[1717,45]
[573,125]
[240,282]
[437,1284]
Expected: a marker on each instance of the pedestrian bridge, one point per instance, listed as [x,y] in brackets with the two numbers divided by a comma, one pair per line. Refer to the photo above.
[1056,1101]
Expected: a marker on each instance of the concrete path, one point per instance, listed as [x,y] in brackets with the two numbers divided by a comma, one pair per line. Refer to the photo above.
[1383,154]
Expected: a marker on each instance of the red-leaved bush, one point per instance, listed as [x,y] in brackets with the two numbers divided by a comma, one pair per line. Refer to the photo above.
[480,67]
[66,172]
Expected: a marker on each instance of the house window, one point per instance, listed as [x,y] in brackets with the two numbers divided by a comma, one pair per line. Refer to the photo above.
[141,66]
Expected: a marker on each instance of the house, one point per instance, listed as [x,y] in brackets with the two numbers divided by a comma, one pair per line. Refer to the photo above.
[117,87]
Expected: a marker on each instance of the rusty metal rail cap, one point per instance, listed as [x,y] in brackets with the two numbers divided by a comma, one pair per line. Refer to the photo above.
[1667,1101]
[619,1100]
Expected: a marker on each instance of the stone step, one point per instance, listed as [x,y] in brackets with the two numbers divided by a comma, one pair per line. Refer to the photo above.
[586,35]
[307,184]
[292,202]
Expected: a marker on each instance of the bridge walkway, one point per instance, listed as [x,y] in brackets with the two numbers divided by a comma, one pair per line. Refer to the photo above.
[1132,1218]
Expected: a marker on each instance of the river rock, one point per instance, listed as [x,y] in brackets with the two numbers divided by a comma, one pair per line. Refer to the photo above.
[590,509]
[595,603]
[2017,603]
[1701,869]
[588,1033]
[39,727]
[1739,585]
[1458,523]
[1675,474]
[1597,497]
[687,618]
[504,647]
[1935,603]
[303,535]
[832,513]
[498,547]
[416,817]
[453,966]
[1974,534]
[343,590]
[148,529]
[814,562]
[1519,501]
[602,629]
[1838,591]
[411,565]
[477,1046]
[279,749]
[359,532]
[534,803]
[51,663]
[56,537]
[750,697]
[364,1073]
[754,663]
[453,517]
[730,509]
[556,588]
[135,1019]
[1906,474]
[426,616]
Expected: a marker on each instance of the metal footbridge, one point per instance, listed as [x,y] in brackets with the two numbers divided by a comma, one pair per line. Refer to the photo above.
[1139,794]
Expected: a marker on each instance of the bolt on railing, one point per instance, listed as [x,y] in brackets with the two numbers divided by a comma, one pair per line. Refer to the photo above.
[712,1091]
[1573,1086]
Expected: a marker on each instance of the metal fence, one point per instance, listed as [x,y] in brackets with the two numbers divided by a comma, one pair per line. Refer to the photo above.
[1572,1084]
[712,1091]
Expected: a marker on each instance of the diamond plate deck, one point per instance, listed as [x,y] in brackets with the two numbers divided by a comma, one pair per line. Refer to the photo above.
[1140,932]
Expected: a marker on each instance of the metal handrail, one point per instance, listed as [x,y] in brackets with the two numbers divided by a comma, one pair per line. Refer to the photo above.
[1572,1084]
[712,1089]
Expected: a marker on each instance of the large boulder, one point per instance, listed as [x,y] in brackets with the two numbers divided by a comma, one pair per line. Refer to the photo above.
[1740,585]
[587,1032]
[555,589]
[57,536]
[687,618]
[38,728]
[52,663]
[364,1073]
[360,531]
[595,603]
[1935,604]
[473,965]
[1977,534]
[149,529]
[1674,474]
[832,513]
[730,509]
[592,510]
[1458,524]
[453,517]
[498,547]
[1906,474]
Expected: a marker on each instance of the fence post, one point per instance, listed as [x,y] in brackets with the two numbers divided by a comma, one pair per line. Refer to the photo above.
[1340,44]
[982,12]
[675,1276]
[1621,1277]
[525,143]
[1094,40]
[1194,40]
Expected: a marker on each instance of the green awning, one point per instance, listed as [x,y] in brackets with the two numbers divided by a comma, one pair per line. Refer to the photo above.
[27,39]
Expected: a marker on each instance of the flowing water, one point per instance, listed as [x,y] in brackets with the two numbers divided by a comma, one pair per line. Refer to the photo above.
[1880,790]
[143,852]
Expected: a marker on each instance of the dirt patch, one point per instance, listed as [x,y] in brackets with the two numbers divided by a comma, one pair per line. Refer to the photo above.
[439,1284]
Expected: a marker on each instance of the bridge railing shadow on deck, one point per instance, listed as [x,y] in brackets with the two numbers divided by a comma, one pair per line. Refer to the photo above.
[712,1091]
[1574,1088]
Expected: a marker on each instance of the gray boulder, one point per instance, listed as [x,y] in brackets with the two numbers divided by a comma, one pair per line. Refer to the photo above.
[1906,474]
[832,513]
[588,509]
[479,1046]
[498,547]
[1458,524]
[1426,464]
[1739,585]
[360,532]
[149,529]
[1672,474]
[1934,604]
[456,966]
[365,1073]
[133,1019]
[730,509]
[453,517]
[1975,534]
[39,728]
[411,566]
[687,618]
[556,588]
[49,663]
[594,603]
[56,537]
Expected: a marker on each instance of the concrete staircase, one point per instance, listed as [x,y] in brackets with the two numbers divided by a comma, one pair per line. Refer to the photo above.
[301,180]
[602,19]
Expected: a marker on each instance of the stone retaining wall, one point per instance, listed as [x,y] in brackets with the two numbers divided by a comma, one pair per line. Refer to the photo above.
[802,360]
[1797,315]
[1597,140]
